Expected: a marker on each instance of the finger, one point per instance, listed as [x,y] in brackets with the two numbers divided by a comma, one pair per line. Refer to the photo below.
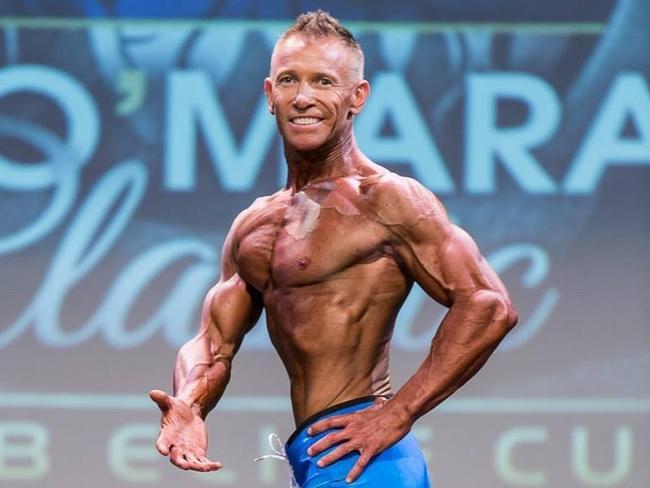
[378,403]
[211,465]
[194,463]
[325,443]
[161,399]
[178,459]
[336,454]
[359,466]
[163,446]
[338,421]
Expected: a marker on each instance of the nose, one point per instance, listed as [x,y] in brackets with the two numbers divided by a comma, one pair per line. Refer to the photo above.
[304,96]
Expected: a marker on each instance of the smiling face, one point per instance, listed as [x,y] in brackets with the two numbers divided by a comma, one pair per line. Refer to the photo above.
[313,90]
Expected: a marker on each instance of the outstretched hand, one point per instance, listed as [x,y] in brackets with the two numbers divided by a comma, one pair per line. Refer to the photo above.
[183,435]
[369,431]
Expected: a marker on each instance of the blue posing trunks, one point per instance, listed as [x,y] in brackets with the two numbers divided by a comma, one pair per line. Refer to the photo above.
[400,466]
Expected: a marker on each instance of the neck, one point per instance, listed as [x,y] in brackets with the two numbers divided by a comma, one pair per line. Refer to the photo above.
[332,160]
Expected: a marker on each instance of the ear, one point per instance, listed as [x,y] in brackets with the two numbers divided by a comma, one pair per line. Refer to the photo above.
[268,90]
[359,96]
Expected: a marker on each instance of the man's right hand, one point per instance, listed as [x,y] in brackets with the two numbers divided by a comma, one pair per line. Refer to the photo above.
[183,435]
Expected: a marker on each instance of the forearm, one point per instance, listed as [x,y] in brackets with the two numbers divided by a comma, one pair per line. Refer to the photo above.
[469,333]
[203,364]
[201,374]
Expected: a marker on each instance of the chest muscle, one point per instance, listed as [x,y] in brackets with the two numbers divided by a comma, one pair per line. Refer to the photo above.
[306,245]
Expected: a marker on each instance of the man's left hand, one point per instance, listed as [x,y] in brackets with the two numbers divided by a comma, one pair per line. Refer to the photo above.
[368,431]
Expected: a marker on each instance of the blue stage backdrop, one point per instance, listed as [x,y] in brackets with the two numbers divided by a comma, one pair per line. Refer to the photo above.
[131,134]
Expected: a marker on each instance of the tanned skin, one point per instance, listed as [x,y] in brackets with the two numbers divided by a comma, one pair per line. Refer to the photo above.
[331,258]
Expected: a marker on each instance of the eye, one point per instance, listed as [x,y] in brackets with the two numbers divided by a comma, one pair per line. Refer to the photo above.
[285,79]
[325,82]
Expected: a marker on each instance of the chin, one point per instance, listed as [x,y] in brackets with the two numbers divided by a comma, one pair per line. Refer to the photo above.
[305,144]
[302,140]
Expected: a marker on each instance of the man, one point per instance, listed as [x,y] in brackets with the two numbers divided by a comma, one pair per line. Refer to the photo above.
[331,258]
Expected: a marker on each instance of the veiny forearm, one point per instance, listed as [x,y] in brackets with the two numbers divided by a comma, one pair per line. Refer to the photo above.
[469,333]
[203,364]
[201,374]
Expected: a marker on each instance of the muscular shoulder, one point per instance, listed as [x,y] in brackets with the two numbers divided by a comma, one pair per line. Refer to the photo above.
[401,202]
[247,220]
[257,212]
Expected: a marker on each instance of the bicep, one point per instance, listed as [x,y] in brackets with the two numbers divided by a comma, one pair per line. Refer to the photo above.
[231,307]
[452,267]
[440,256]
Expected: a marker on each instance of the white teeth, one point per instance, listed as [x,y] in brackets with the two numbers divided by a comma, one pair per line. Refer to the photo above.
[305,120]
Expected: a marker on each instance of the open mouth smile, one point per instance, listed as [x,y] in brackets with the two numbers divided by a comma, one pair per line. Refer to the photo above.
[305,120]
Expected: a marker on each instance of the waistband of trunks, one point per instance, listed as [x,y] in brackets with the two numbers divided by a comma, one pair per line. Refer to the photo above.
[324,413]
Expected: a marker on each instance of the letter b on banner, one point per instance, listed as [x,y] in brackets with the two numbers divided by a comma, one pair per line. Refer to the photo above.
[23,451]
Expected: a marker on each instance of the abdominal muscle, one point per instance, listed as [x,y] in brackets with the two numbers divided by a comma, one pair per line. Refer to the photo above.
[333,339]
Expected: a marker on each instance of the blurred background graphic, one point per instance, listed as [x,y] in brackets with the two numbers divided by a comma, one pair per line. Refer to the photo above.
[132,133]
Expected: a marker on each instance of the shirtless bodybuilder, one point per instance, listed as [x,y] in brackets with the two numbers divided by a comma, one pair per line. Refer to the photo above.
[331,257]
